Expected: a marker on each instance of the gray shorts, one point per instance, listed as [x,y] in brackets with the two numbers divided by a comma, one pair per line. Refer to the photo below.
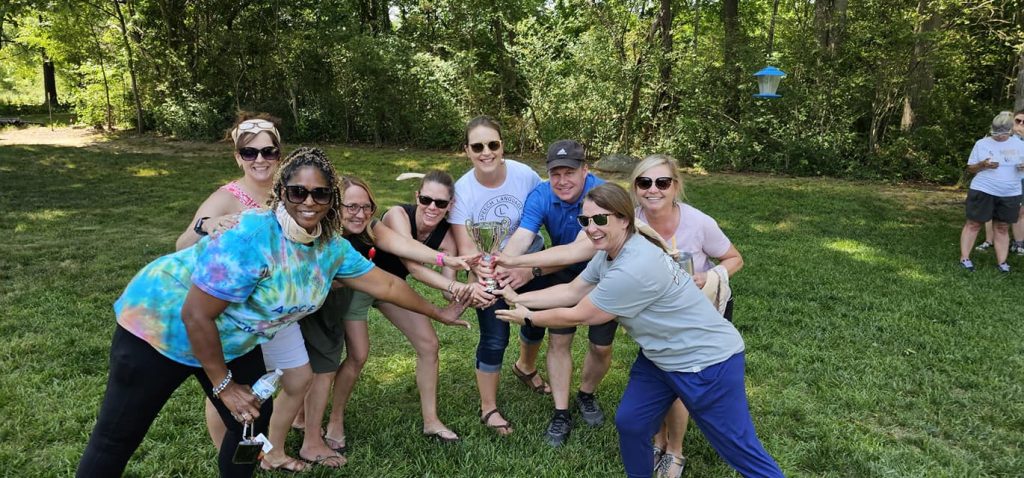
[983,207]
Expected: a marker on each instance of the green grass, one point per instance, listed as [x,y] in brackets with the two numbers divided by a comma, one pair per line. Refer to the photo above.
[868,352]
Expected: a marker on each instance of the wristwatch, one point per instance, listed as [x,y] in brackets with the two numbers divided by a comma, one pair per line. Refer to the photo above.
[527,321]
[537,272]
[198,228]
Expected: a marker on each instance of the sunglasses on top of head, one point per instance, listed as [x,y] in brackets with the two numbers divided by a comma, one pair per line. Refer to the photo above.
[426,200]
[663,183]
[298,194]
[491,145]
[269,153]
[599,219]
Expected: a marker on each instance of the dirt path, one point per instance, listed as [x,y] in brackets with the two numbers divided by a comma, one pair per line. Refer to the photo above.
[41,135]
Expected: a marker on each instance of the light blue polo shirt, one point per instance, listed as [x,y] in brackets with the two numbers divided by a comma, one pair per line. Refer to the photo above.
[543,207]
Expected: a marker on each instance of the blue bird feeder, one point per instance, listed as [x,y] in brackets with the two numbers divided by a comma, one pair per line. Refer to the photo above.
[768,80]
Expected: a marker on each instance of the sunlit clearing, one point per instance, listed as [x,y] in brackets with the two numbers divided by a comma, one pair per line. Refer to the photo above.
[784,226]
[47,215]
[149,172]
[856,250]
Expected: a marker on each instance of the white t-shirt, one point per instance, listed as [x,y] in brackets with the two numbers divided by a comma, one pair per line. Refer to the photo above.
[475,201]
[698,234]
[661,308]
[1003,181]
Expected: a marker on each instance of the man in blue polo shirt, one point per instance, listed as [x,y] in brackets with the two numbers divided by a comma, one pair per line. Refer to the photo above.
[555,204]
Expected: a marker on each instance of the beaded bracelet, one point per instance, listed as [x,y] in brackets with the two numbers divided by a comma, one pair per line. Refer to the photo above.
[222,385]
[440,259]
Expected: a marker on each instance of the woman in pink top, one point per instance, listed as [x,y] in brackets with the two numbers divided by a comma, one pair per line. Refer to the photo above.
[658,191]
[257,145]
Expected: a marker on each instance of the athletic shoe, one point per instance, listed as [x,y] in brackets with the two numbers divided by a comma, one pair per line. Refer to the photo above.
[1004,268]
[1017,248]
[558,429]
[967,264]
[589,409]
[984,246]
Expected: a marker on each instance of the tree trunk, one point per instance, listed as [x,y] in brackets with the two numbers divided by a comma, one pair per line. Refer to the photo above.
[921,75]
[49,82]
[830,23]
[730,47]
[131,66]
[626,137]
[663,100]
[1018,102]
[106,84]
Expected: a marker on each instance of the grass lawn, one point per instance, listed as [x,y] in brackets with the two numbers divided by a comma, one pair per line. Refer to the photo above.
[868,352]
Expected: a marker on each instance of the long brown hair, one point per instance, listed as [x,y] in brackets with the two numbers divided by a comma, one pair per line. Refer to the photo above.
[367,235]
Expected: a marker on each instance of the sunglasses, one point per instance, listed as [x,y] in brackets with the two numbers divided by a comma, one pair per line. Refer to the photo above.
[426,200]
[644,182]
[269,153]
[491,145]
[355,208]
[599,219]
[298,194]
[1018,120]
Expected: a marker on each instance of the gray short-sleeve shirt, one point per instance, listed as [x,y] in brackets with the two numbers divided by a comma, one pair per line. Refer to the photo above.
[661,308]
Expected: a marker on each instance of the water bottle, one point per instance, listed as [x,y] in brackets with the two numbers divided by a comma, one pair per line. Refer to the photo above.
[265,387]
[685,261]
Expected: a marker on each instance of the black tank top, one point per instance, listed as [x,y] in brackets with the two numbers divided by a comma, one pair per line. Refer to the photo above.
[393,263]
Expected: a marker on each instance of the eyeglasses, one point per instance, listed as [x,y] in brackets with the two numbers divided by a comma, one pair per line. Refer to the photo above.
[269,153]
[599,219]
[491,145]
[355,208]
[298,194]
[426,200]
[644,182]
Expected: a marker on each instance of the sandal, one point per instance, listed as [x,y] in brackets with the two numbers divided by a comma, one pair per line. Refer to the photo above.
[502,429]
[336,445]
[439,436]
[325,460]
[527,378]
[665,466]
[289,465]
[657,457]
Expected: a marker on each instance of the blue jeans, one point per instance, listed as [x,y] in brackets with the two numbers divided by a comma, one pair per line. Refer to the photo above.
[716,400]
[139,383]
[494,333]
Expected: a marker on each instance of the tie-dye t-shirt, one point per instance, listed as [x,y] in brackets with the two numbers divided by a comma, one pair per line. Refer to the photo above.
[269,280]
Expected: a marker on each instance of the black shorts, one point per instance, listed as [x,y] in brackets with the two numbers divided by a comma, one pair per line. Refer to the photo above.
[984,207]
[603,334]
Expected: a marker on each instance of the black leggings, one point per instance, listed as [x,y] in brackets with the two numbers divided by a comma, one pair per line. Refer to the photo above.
[139,383]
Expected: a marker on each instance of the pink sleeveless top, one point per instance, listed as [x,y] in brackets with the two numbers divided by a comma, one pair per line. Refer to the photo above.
[236,190]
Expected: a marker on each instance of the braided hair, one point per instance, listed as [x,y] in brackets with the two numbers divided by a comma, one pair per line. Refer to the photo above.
[302,157]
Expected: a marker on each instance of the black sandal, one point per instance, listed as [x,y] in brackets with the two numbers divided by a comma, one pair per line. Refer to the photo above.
[503,429]
[527,379]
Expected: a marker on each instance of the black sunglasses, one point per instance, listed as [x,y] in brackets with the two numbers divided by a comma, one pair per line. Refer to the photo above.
[298,194]
[491,145]
[1018,120]
[269,153]
[426,200]
[599,219]
[644,182]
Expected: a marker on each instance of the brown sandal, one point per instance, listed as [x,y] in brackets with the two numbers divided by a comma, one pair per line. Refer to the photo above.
[527,378]
[502,429]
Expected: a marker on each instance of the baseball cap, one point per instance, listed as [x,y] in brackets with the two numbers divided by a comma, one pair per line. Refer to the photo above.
[566,152]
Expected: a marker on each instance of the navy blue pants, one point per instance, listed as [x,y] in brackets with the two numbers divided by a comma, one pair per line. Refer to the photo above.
[138,385]
[494,333]
[716,400]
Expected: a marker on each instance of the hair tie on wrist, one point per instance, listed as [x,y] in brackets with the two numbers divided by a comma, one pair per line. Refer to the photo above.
[440,259]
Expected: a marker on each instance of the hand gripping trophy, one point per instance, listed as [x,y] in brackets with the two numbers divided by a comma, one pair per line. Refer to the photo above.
[488,237]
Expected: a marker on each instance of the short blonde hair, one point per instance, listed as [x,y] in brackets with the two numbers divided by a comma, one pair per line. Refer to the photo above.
[657,160]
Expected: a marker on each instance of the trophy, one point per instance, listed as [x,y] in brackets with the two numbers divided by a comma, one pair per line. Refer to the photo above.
[488,236]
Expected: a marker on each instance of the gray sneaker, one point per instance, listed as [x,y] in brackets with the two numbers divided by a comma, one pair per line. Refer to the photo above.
[589,409]
[984,246]
[558,430]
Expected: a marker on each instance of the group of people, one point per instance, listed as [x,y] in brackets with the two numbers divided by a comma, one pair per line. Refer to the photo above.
[994,197]
[278,270]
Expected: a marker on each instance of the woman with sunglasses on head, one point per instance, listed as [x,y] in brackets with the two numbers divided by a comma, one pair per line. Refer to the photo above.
[325,335]
[204,311]
[257,151]
[686,350]
[495,190]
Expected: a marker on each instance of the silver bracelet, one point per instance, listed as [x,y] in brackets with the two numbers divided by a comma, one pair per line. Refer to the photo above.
[222,385]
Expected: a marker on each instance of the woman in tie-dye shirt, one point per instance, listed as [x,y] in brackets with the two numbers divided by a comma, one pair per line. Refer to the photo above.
[203,312]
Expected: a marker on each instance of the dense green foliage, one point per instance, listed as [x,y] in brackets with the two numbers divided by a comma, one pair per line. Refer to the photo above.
[869,353]
[885,89]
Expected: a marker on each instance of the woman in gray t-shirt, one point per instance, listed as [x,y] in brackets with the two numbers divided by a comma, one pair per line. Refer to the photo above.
[687,350]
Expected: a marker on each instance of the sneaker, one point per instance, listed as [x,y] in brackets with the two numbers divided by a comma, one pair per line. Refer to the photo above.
[1017,248]
[984,246]
[666,463]
[1004,268]
[589,409]
[967,264]
[558,430]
